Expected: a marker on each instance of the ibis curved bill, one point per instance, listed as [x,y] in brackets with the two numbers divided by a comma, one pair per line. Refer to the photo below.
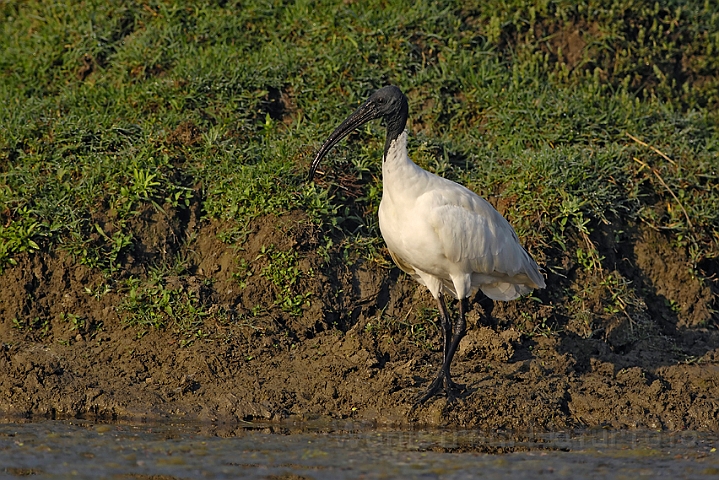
[442,234]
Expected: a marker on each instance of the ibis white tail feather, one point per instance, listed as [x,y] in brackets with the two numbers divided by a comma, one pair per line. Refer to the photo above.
[505,291]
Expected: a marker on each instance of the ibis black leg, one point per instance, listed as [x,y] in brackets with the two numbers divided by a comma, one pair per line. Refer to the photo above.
[444,378]
[446,326]
[460,329]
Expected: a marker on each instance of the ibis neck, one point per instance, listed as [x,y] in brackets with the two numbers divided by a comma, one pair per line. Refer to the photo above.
[395,157]
[402,180]
[395,126]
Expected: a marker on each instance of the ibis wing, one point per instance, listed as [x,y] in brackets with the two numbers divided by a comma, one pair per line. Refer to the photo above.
[479,241]
[476,235]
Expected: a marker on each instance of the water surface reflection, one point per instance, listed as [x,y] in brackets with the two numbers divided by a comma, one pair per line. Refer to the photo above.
[324,449]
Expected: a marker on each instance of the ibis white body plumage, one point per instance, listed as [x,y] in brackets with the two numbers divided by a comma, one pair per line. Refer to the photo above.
[447,237]
[444,235]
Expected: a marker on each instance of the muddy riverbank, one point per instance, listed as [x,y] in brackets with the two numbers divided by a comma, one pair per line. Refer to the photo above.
[361,345]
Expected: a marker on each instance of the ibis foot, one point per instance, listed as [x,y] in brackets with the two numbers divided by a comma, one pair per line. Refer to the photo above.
[442,382]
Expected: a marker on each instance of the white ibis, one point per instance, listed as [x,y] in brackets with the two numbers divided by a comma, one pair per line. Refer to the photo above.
[442,234]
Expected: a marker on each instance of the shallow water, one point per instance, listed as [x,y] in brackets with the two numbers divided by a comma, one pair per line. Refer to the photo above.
[61,449]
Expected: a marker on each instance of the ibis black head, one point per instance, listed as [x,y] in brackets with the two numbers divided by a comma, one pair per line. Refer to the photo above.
[388,103]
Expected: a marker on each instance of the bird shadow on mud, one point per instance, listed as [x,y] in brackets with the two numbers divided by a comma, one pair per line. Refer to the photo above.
[364,293]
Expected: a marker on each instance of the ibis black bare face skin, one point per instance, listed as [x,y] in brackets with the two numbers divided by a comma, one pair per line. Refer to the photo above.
[388,103]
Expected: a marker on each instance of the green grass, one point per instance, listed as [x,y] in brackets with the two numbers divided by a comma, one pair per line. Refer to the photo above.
[110,108]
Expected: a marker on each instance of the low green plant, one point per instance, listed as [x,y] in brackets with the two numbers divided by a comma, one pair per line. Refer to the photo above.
[80,324]
[162,301]
[15,238]
[282,270]
[36,326]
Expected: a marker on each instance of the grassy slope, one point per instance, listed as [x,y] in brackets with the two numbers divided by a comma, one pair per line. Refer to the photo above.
[113,108]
